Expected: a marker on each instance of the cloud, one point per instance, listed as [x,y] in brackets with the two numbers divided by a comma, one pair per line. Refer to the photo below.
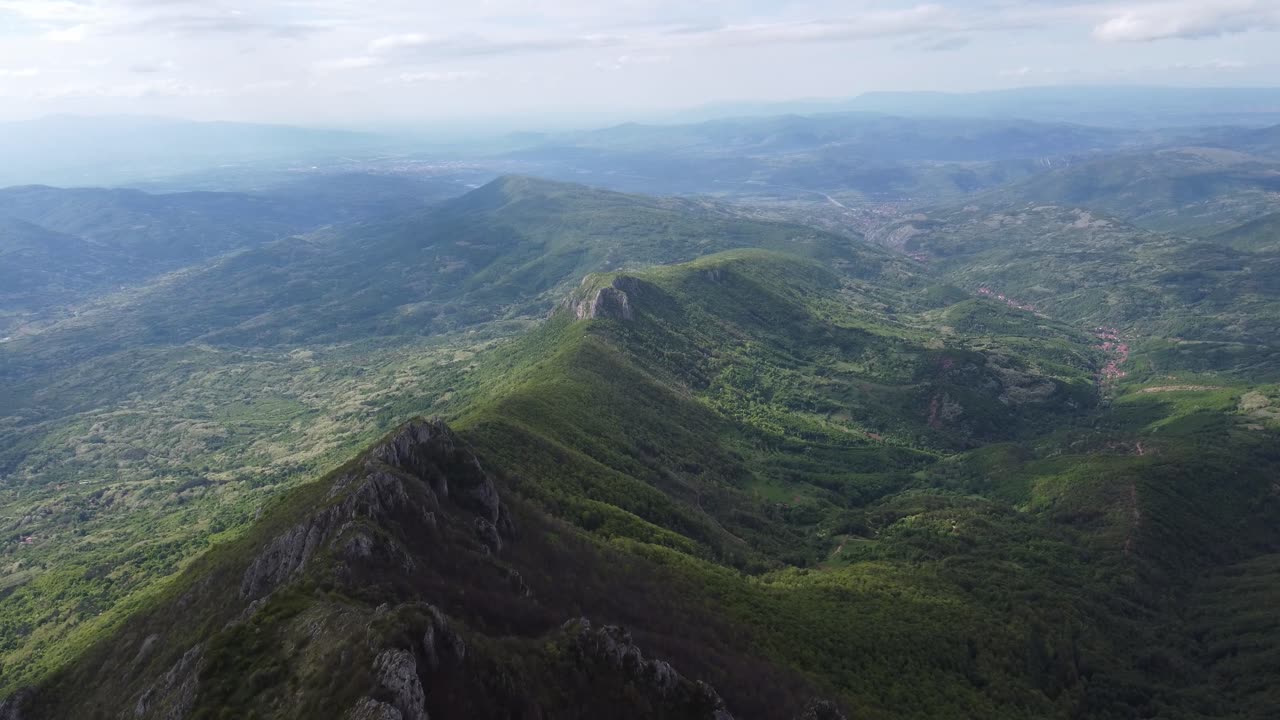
[623,61]
[1216,65]
[947,44]
[356,62]
[149,67]
[149,90]
[46,11]
[228,22]
[657,40]
[418,45]
[25,72]
[436,76]
[1187,19]
[70,35]
[392,43]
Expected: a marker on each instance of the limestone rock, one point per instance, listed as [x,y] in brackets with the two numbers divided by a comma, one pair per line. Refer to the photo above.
[12,707]
[817,709]
[376,491]
[173,695]
[611,302]
[369,709]
[397,672]
[612,647]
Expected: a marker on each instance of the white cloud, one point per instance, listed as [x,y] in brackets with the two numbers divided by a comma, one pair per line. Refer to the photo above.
[150,67]
[356,62]
[25,72]
[1181,68]
[73,34]
[623,61]
[1187,19]
[391,43]
[52,10]
[572,55]
[439,76]
[160,89]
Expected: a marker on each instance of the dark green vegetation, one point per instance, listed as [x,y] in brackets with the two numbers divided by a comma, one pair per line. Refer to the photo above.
[792,463]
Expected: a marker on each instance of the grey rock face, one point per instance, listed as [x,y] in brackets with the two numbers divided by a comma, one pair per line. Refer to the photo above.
[144,651]
[612,646]
[488,534]
[397,672]
[820,710]
[286,555]
[172,696]
[429,451]
[376,492]
[440,644]
[12,707]
[370,709]
[610,302]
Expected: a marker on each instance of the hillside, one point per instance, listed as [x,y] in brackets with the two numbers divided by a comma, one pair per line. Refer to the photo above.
[64,247]
[1189,190]
[739,461]
[1216,305]
[1261,234]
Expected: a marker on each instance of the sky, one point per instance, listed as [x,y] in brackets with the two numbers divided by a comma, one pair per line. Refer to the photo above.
[367,62]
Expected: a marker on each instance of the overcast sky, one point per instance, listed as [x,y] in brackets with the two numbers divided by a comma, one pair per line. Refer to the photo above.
[357,61]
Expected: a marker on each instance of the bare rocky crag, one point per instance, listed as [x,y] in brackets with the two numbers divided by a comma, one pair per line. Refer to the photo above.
[611,302]
[611,647]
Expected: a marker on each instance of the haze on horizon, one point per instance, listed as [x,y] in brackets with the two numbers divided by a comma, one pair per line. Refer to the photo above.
[342,62]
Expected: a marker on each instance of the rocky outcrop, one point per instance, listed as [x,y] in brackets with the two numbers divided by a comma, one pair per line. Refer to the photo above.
[397,673]
[821,710]
[611,302]
[429,451]
[370,709]
[13,707]
[612,648]
[376,493]
[172,695]
[440,644]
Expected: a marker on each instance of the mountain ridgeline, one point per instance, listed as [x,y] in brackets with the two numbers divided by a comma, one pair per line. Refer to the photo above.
[1009,460]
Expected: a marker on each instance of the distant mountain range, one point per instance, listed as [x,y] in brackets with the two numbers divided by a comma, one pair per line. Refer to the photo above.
[70,150]
[1112,106]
